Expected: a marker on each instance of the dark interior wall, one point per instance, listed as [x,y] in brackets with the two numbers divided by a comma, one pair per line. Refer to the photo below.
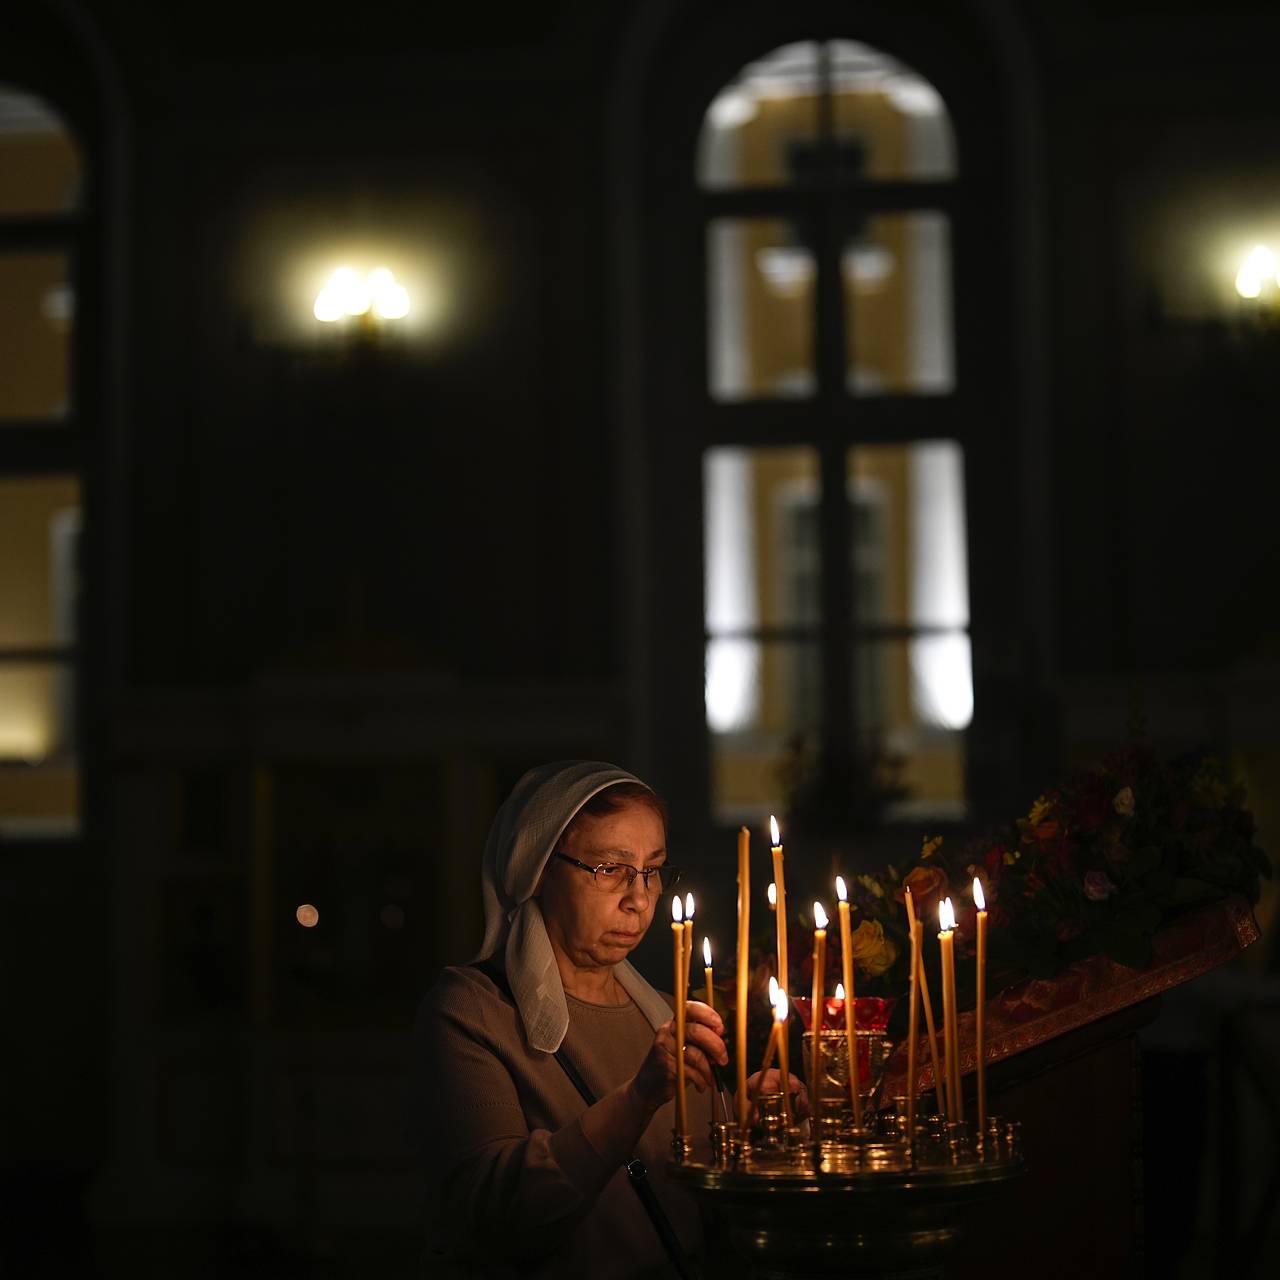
[1162,173]
[403,507]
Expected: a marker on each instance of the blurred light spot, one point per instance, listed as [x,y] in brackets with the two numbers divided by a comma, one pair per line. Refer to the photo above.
[1258,268]
[732,108]
[346,293]
[308,916]
[392,917]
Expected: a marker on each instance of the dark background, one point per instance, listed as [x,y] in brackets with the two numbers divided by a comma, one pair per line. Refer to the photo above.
[337,601]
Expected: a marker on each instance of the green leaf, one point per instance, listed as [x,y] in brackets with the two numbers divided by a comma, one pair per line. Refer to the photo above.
[1192,889]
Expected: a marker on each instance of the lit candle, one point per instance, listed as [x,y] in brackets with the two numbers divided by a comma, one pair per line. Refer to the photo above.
[980,901]
[779,879]
[815,1019]
[688,939]
[781,1007]
[913,1028]
[677,939]
[772,1047]
[744,956]
[711,1004]
[939,1077]
[850,1007]
[946,929]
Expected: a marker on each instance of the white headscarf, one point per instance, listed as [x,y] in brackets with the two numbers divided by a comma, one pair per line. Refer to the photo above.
[523,836]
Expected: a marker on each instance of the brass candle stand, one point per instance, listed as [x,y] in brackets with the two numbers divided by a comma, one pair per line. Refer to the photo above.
[845,1201]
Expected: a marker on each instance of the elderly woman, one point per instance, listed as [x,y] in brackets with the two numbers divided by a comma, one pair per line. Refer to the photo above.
[548,1064]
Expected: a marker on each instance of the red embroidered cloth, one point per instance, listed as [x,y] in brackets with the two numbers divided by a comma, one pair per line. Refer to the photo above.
[1028,1013]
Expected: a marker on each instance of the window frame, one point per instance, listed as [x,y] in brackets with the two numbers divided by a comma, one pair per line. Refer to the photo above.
[834,421]
[59,446]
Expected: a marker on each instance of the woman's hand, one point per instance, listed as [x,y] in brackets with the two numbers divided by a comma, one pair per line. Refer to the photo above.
[771,1082]
[655,1082]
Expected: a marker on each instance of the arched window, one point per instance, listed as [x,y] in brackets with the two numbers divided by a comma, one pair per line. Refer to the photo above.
[835,536]
[41,468]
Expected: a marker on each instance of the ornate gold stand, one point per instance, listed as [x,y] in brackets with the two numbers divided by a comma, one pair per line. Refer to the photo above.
[857,1205]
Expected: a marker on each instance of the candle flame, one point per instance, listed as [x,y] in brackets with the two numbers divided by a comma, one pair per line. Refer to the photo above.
[677,911]
[979,898]
[946,916]
[773,894]
[819,915]
[780,1005]
[773,831]
[773,989]
[841,892]
[839,990]
[706,951]
[688,906]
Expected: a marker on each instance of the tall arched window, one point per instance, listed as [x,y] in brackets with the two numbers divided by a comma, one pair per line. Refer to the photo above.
[41,469]
[836,599]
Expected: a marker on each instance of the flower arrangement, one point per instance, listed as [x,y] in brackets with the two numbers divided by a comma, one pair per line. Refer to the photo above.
[1097,866]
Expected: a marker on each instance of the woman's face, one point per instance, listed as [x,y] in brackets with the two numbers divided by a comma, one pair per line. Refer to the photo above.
[592,928]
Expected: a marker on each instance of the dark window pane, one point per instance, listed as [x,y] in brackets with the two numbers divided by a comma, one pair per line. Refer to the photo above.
[760,282]
[39,558]
[897,288]
[909,557]
[776,704]
[760,535]
[759,123]
[39,161]
[36,318]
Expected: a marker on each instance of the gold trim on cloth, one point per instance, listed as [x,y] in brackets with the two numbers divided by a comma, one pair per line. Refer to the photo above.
[1029,1013]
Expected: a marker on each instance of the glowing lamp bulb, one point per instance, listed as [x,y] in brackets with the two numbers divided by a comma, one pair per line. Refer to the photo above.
[688,906]
[774,838]
[839,990]
[979,898]
[819,915]
[841,892]
[706,952]
[1258,267]
[677,909]
[946,916]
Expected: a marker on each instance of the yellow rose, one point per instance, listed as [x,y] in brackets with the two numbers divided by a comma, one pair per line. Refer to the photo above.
[872,952]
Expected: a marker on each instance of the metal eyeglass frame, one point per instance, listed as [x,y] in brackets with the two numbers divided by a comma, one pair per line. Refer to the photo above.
[661,872]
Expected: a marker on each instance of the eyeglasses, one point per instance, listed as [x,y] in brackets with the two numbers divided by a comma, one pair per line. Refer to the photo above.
[618,877]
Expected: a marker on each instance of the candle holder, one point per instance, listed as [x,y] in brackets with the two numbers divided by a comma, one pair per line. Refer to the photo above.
[874,1049]
[727,1145]
[848,1201]
[681,1147]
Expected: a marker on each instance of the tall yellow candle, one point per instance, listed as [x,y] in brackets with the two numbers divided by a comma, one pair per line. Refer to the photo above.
[780,915]
[980,901]
[711,1004]
[744,959]
[782,1007]
[688,940]
[677,940]
[850,1008]
[913,1028]
[816,1012]
[939,1076]
[946,940]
